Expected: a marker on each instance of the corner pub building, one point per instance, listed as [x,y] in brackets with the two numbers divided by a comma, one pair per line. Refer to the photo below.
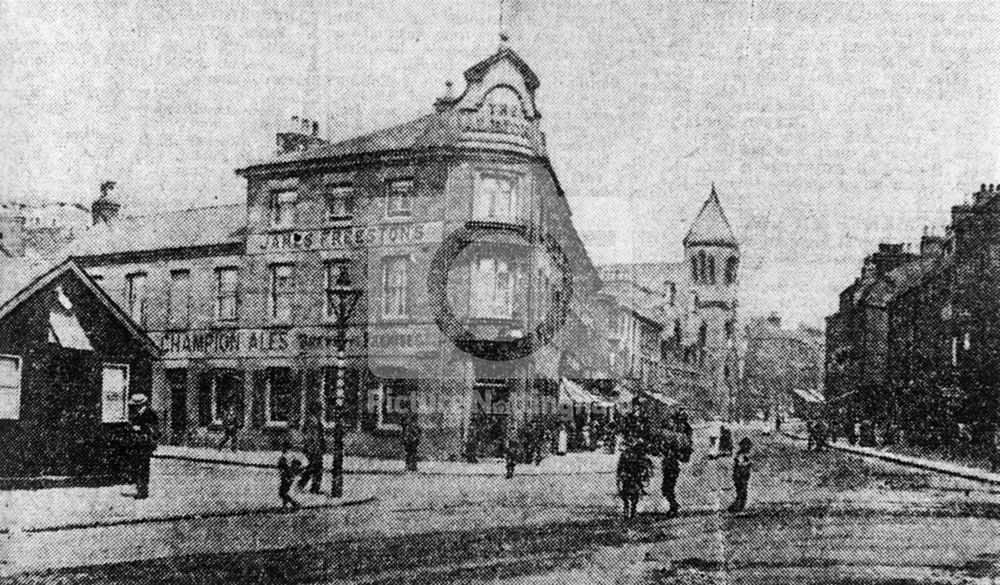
[239,297]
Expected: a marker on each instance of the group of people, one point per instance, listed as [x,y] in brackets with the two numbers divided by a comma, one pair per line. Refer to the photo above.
[816,435]
[674,445]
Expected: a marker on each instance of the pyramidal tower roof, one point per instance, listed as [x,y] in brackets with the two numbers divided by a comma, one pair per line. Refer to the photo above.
[710,227]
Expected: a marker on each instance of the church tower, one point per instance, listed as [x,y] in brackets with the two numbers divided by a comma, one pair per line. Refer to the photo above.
[712,260]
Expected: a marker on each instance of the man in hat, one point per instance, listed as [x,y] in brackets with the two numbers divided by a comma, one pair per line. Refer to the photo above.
[314,445]
[144,433]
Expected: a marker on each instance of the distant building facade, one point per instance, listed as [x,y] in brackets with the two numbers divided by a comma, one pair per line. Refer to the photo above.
[782,368]
[912,347]
[240,297]
[697,302]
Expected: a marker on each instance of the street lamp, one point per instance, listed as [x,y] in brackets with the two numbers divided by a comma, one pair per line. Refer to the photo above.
[345,297]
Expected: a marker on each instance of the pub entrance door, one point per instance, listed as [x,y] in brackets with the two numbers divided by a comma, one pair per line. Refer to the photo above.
[489,421]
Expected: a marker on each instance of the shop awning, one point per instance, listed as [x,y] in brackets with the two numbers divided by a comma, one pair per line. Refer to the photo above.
[624,396]
[810,396]
[662,398]
[570,391]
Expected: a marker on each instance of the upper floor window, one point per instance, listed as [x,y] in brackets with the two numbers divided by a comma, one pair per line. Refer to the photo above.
[281,292]
[491,289]
[339,203]
[399,199]
[710,270]
[135,292]
[395,272]
[226,283]
[10,387]
[283,208]
[496,197]
[732,264]
[180,297]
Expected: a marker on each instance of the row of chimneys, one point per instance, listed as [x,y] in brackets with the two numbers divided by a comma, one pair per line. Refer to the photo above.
[304,126]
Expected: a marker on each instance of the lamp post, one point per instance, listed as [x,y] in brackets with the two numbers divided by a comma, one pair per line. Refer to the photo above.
[345,297]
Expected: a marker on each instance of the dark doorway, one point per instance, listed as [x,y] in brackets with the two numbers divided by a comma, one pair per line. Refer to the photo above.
[488,423]
[177,382]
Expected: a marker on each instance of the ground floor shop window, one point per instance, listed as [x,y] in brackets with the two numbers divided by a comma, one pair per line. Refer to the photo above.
[278,396]
[10,387]
[394,400]
[114,393]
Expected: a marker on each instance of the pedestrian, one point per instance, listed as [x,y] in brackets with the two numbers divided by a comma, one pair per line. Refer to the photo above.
[288,468]
[672,451]
[682,424]
[851,431]
[231,425]
[741,474]
[314,445]
[634,471]
[563,441]
[819,429]
[145,425]
[411,441]
[511,452]
[810,435]
[777,422]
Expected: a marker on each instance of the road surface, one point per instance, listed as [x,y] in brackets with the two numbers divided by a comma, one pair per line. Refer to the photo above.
[813,517]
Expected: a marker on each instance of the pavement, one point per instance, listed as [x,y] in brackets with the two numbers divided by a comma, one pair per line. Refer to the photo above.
[569,464]
[935,465]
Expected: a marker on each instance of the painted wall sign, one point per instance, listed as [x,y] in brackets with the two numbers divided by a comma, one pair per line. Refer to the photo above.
[292,341]
[333,238]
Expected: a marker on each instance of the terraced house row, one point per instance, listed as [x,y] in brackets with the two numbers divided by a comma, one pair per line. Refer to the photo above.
[913,346]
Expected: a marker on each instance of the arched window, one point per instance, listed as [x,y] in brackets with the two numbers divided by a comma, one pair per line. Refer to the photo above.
[732,264]
[677,331]
[703,335]
[694,269]
[711,270]
[702,268]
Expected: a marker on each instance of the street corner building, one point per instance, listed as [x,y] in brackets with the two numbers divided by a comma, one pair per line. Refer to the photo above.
[69,359]
[241,297]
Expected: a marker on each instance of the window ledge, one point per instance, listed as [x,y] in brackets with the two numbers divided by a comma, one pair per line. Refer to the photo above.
[275,426]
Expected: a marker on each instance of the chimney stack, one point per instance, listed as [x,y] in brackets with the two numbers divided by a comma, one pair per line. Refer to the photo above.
[303,134]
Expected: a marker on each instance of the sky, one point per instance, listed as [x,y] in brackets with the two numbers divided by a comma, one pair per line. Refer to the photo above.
[827,127]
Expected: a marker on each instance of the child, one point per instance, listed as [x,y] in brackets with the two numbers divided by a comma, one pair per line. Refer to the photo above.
[741,474]
[288,469]
[634,470]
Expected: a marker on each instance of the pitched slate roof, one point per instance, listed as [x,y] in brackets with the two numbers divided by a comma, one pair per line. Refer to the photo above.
[26,276]
[635,298]
[903,279]
[189,228]
[710,227]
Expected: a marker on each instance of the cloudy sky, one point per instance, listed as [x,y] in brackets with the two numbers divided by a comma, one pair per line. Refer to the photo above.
[827,127]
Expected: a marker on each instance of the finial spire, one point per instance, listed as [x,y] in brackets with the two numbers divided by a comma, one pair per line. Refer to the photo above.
[504,35]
